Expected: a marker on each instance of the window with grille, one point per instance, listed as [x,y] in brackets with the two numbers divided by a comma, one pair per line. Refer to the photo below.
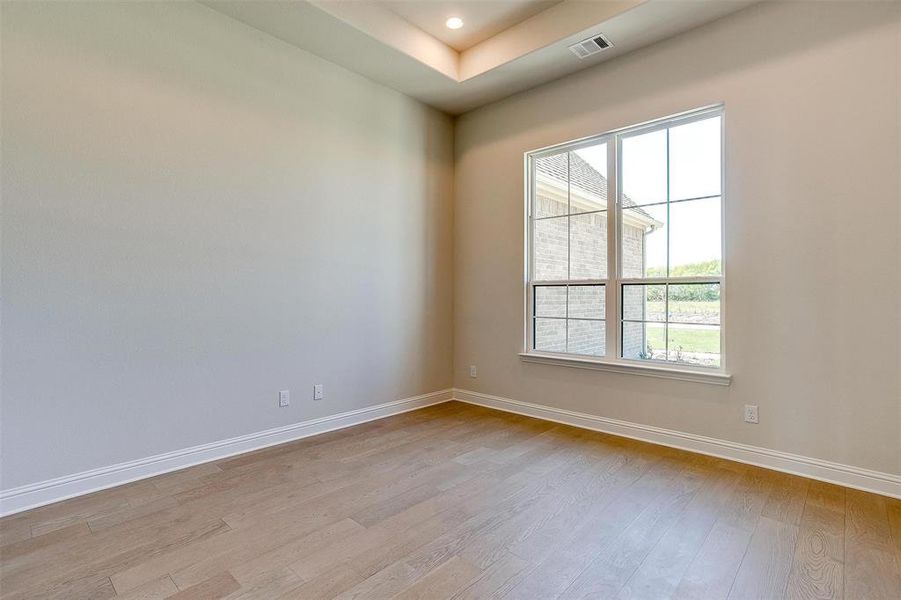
[625,245]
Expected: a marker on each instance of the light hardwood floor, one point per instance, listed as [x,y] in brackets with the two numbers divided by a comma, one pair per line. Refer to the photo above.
[456,501]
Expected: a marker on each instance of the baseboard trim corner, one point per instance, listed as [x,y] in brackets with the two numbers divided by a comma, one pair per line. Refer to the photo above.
[33,495]
[867,480]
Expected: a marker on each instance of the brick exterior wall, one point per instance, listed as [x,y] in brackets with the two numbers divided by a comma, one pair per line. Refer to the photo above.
[632,258]
[633,251]
[587,255]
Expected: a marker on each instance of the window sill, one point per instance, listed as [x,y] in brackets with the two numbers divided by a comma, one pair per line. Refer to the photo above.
[712,377]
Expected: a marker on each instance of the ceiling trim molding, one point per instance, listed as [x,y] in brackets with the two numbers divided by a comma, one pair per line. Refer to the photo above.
[368,38]
[560,21]
[383,25]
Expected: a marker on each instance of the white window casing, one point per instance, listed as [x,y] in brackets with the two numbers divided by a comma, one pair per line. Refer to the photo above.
[583,346]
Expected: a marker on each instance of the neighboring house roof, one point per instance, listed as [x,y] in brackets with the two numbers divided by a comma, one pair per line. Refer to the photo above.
[579,173]
[582,175]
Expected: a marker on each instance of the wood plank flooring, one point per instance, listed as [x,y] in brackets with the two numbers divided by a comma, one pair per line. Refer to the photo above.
[456,501]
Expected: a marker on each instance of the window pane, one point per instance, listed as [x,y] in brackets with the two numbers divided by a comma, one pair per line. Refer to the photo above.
[644,302]
[694,237]
[587,301]
[643,241]
[588,246]
[644,168]
[586,337]
[588,179]
[694,344]
[694,154]
[644,341]
[551,187]
[549,241]
[550,335]
[694,303]
[550,301]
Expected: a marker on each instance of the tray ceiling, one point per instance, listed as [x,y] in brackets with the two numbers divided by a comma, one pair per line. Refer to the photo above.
[505,46]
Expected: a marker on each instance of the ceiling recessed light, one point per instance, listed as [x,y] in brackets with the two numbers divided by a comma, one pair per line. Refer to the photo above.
[454,23]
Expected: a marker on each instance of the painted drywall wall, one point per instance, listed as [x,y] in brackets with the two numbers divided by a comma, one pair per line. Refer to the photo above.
[813,263]
[196,216]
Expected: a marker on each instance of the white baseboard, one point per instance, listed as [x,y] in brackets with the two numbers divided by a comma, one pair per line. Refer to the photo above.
[877,482]
[53,490]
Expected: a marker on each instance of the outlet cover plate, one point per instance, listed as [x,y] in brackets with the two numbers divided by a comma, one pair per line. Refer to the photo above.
[751,413]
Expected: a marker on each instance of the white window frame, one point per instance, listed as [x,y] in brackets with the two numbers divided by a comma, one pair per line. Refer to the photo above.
[613,360]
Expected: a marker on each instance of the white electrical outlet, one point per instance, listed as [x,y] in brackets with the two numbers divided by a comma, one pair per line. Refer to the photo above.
[473,372]
[317,392]
[284,398]
[751,413]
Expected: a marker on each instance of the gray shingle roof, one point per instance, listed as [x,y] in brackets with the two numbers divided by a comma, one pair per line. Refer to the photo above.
[581,175]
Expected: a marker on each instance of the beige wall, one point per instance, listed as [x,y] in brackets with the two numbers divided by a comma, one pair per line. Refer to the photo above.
[195,216]
[813,264]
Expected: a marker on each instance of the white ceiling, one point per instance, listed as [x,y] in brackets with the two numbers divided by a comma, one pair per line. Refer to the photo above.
[482,18]
[371,38]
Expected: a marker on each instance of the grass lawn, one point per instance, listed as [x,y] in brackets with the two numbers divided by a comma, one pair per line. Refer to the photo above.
[692,340]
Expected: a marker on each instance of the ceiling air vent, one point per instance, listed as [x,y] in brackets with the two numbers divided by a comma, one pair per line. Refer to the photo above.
[592,45]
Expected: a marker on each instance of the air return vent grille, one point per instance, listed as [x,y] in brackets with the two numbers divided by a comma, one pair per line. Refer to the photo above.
[592,45]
